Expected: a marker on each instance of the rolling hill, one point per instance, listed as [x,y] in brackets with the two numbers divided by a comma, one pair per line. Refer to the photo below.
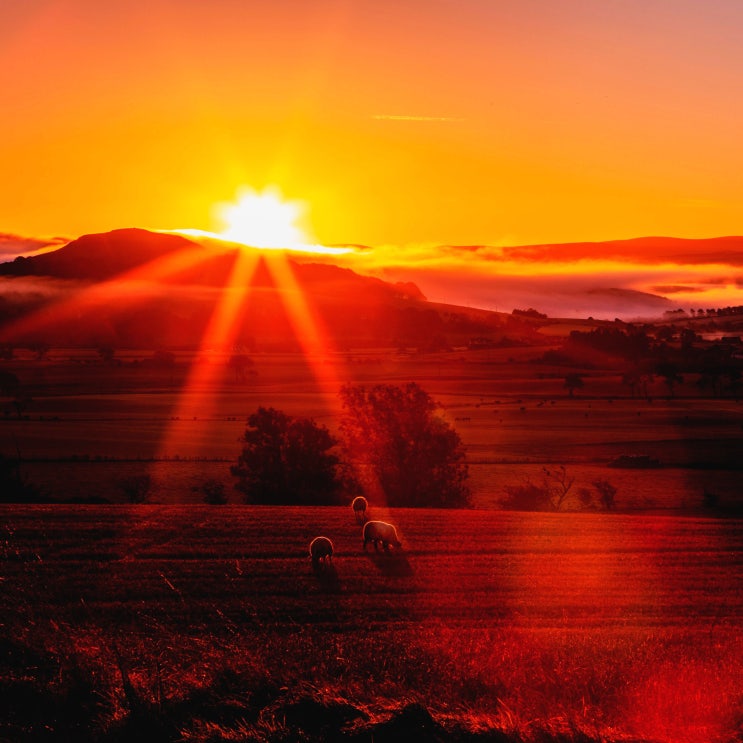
[136,288]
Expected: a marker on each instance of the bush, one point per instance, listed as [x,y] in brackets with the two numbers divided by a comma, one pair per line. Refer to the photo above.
[14,488]
[549,495]
[606,492]
[213,492]
[136,488]
[526,497]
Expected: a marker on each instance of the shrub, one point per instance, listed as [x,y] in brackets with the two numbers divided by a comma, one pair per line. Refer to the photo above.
[136,488]
[607,493]
[213,492]
[14,488]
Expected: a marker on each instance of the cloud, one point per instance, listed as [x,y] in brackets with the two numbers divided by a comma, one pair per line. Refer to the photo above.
[11,246]
[410,117]
[606,280]
[677,289]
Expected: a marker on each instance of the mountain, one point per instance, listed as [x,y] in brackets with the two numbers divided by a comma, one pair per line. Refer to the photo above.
[136,288]
[141,289]
[98,257]
[136,253]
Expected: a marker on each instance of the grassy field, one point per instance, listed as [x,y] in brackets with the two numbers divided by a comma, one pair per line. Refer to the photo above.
[176,621]
[205,623]
[100,424]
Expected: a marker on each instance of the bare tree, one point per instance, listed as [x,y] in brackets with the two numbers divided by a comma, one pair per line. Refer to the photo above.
[558,485]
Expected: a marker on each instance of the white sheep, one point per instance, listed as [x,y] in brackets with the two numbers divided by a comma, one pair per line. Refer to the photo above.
[380,531]
[359,508]
[321,550]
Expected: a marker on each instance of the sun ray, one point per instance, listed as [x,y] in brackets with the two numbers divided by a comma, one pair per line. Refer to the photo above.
[306,325]
[196,398]
[123,287]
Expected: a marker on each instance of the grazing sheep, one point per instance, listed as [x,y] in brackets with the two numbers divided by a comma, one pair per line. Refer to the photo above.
[380,531]
[359,508]
[321,550]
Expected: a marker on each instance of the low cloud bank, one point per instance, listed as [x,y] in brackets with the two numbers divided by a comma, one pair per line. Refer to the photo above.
[12,246]
[626,279]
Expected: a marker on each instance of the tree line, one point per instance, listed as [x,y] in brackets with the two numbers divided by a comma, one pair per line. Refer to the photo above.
[393,446]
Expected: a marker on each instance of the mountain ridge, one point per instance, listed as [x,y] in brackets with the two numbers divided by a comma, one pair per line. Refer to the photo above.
[181,283]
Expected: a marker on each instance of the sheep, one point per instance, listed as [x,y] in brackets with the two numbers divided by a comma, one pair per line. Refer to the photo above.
[380,531]
[359,508]
[321,550]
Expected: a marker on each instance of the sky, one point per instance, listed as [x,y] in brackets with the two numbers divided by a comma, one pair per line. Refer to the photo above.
[396,123]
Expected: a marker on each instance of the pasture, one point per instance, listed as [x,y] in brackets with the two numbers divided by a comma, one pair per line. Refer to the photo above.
[89,425]
[209,623]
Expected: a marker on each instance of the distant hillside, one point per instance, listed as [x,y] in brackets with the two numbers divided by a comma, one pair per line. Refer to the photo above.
[132,287]
[100,256]
[142,289]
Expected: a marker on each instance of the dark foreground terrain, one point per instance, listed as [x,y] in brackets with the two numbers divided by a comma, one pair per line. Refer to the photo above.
[196,623]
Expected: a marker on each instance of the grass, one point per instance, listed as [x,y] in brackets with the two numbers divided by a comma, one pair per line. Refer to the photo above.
[100,442]
[209,624]
[194,623]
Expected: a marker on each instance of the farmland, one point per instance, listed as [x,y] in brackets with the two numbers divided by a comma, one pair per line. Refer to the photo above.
[613,627]
[89,425]
[208,623]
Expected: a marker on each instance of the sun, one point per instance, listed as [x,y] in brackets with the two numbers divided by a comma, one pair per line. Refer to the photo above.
[263,220]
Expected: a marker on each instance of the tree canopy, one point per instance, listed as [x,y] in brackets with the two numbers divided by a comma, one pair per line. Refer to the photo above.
[401,449]
[287,460]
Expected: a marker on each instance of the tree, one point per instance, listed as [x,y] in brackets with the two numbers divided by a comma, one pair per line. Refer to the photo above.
[9,383]
[14,488]
[637,378]
[136,488]
[549,495]
[287,460]
[107,354]
[212,492]
[242,365]
[572,382]
[400,449]
[40,348]
[671,375]
[558,484]
[607,493]
[632,380]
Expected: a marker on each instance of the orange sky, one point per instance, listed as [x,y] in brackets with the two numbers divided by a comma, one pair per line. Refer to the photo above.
[451,121]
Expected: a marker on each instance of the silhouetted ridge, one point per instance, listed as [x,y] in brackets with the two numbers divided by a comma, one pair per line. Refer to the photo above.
[174,300]
[99,256]
[107,255]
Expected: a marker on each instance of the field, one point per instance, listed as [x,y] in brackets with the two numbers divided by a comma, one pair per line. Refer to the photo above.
[209,623]
[90,425]
[178,621]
